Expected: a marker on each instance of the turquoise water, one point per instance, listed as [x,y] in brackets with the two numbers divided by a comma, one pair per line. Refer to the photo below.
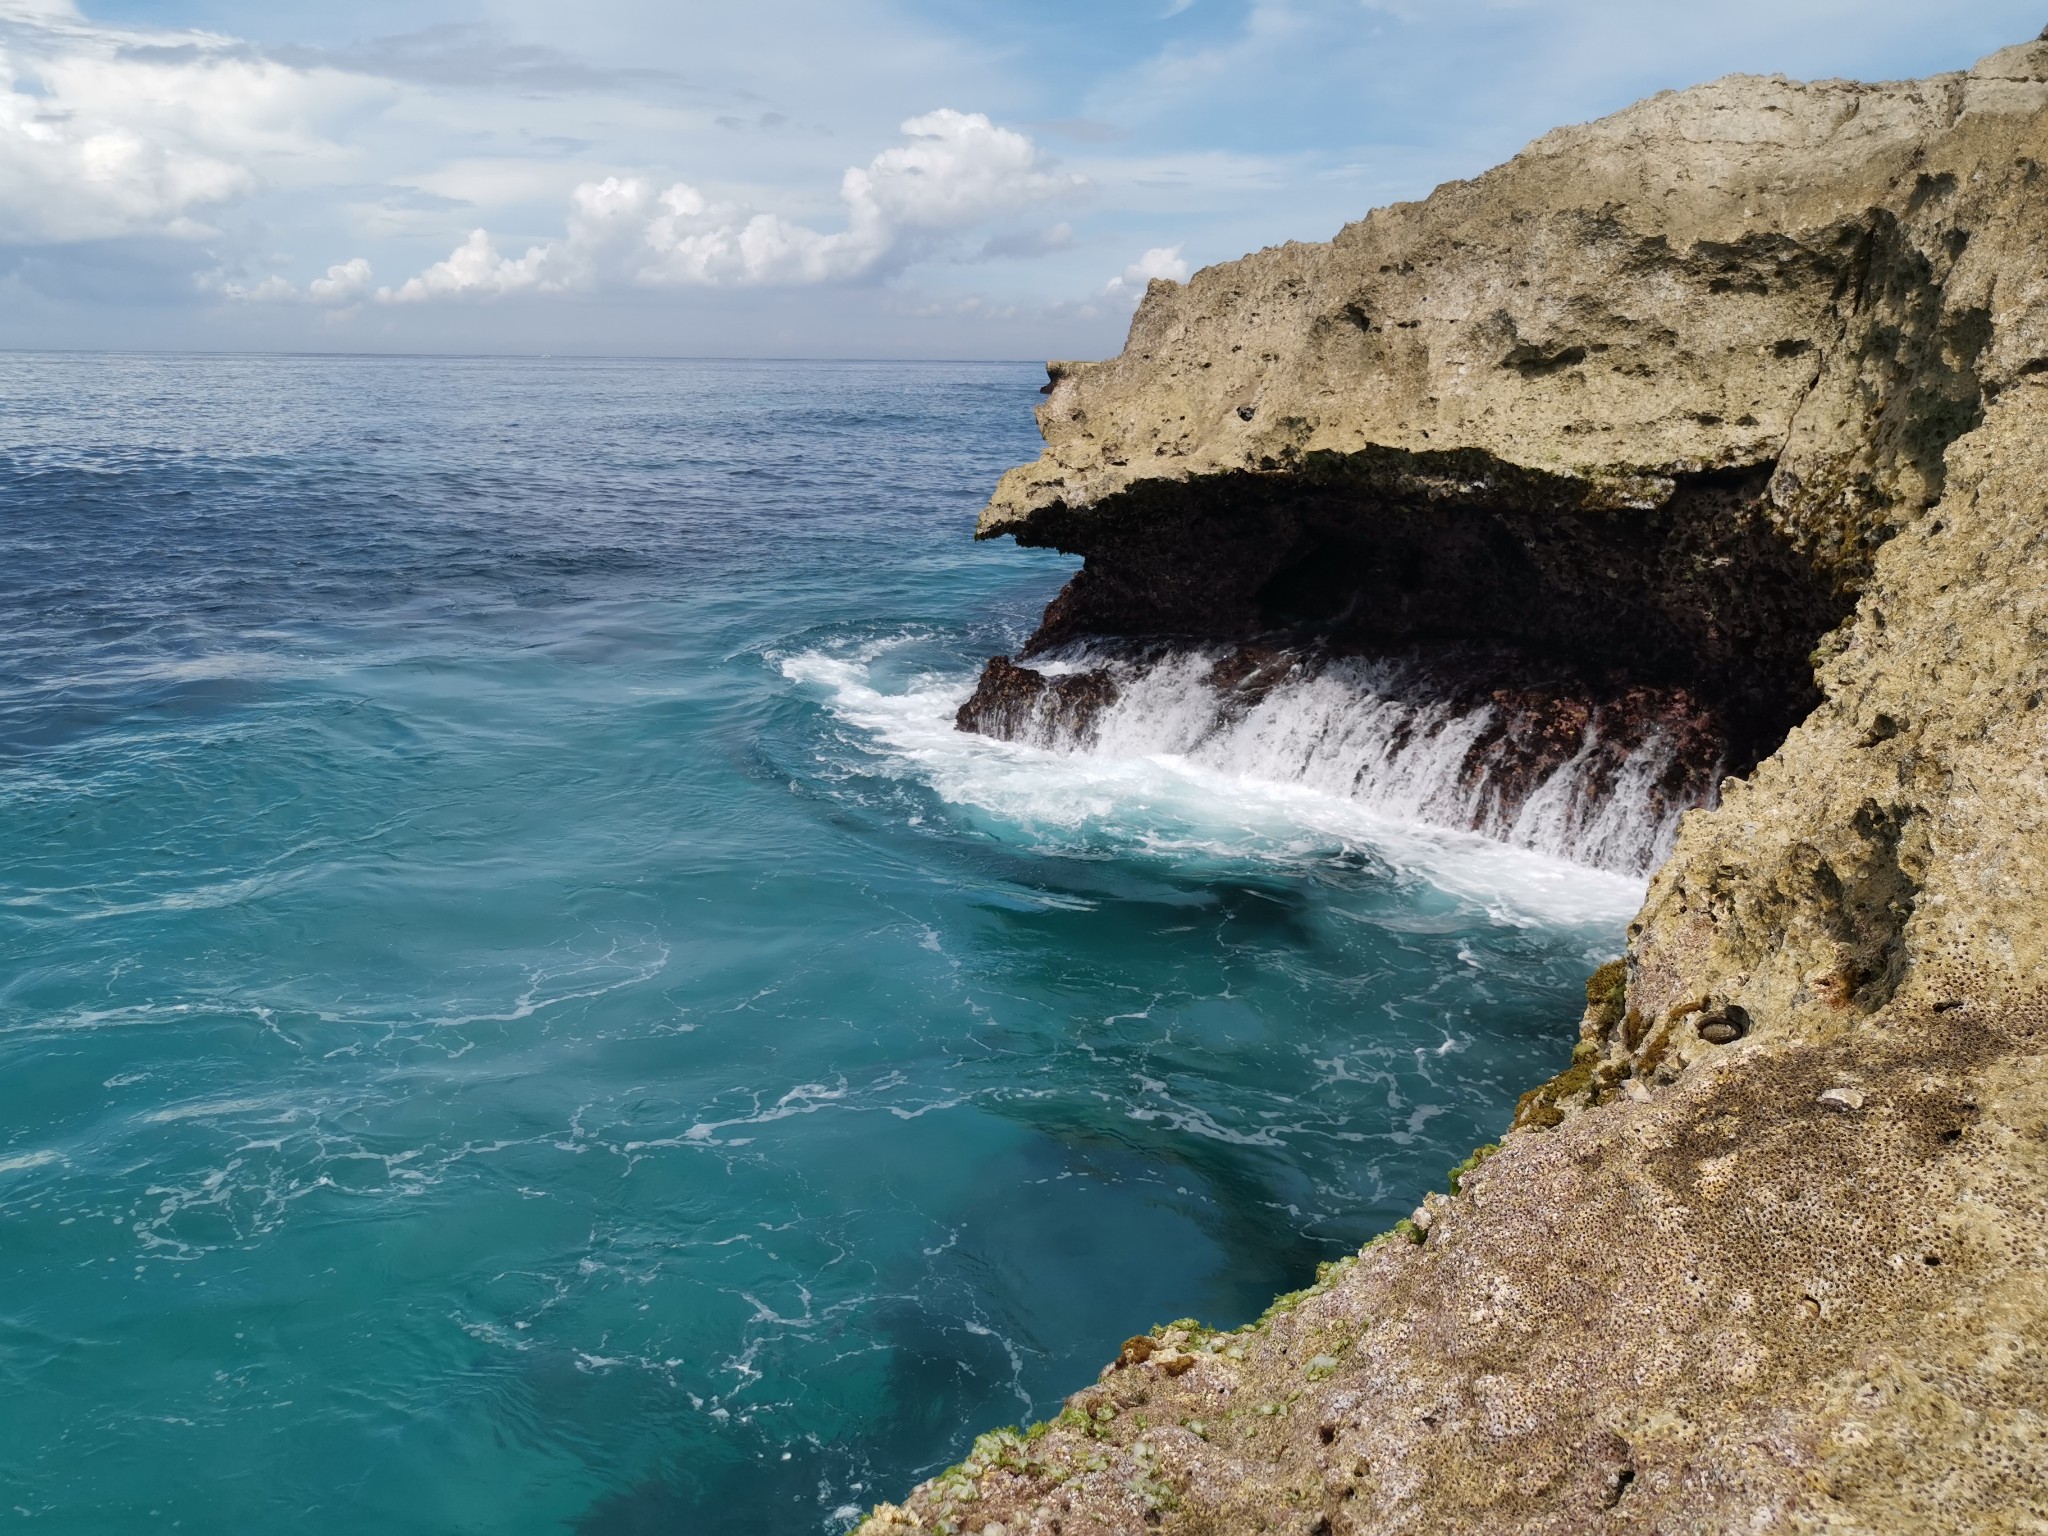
[518,1014]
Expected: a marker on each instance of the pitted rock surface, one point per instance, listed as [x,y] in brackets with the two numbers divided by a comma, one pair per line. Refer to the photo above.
[1735,1307]
[1753,378]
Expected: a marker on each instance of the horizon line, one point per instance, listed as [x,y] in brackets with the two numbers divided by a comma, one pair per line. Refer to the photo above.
[618,357]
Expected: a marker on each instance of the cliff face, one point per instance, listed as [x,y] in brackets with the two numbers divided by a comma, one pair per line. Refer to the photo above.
[1654,391]
[1743,391]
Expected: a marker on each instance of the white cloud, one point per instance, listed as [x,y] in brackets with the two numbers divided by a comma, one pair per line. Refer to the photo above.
[346,282]
[173,163]
[958,169]
[39,12]
[473,267]
[107,132]
[955,171]
[1162,261]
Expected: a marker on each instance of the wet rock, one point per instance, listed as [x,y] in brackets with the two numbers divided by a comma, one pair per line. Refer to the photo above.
[1015,703]
[1247,673]
[1585,764]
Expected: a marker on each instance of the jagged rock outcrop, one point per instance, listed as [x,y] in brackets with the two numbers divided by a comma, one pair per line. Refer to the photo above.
[1748,386]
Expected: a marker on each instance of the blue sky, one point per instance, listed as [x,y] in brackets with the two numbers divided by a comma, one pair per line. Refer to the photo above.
[957,178]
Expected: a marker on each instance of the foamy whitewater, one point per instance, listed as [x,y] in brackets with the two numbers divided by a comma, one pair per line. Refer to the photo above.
[1315,767]
[520,1013]
[1374,733]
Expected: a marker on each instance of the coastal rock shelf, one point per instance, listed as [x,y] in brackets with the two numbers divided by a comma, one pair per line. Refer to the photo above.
[1734,405]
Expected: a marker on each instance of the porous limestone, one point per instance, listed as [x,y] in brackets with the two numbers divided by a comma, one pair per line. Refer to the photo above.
[1751,382]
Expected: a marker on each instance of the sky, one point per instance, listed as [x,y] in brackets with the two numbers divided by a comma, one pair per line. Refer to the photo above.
[808,178]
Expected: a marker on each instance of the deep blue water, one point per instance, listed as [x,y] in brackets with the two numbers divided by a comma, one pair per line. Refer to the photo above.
[518,1014]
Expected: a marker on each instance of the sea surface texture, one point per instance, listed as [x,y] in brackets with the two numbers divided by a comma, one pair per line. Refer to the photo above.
[518,1012]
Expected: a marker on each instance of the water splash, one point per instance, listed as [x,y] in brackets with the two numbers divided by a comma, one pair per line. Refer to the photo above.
[1599,777]
[1061,790]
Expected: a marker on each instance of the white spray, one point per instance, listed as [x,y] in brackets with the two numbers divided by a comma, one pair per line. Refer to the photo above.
[1376,733]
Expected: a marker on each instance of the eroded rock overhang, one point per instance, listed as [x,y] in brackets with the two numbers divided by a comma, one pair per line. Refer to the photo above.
[1684,583]
[1639,407]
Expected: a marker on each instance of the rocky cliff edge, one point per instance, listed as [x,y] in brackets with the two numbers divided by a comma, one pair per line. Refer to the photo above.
[1745,386]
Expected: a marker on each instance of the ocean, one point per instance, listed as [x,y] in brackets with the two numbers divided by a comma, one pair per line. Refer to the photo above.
[519,1012]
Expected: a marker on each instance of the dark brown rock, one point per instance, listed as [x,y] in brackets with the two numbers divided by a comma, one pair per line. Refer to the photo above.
[1013,703]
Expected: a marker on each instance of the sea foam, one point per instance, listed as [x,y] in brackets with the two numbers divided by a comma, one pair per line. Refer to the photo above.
[1149,780]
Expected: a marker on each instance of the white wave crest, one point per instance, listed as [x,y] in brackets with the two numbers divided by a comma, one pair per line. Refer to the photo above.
[1151,782]
[1363,731]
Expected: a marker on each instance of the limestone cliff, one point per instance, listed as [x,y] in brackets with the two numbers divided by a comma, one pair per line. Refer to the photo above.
[1743,390]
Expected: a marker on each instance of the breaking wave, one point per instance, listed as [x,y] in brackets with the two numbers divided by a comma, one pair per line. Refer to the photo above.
[1147,776]
[1598,777]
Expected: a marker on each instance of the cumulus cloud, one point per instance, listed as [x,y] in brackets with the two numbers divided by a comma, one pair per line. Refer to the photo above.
[106,133]
[955,171]
[1161,261]
[346,283]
